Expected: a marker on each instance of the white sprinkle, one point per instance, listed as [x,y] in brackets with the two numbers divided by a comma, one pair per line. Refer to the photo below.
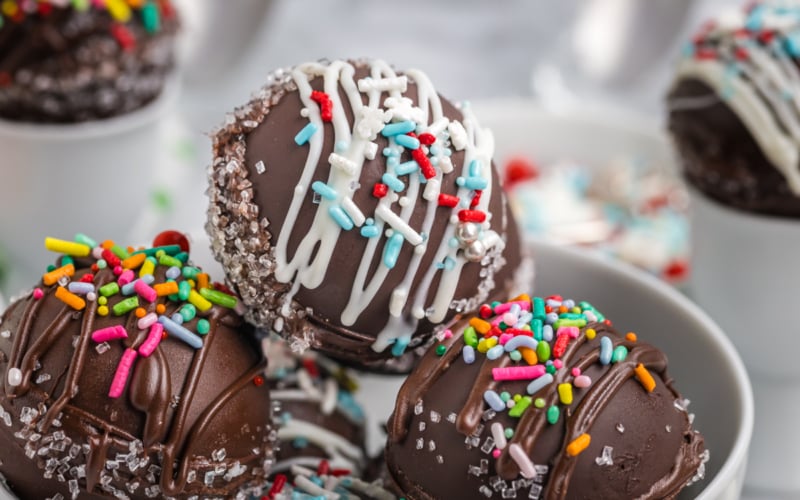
[499,435]
[458,136]
[522,460]
[353,211]
[397,302]
[432,189]
[397,83]
[14,377]
[346,165]
[399,225]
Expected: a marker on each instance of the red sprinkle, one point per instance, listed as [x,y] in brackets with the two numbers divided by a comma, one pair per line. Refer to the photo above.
[705,54]
[277,485]
[471,216]
[424,163]
[87,278]
[485,311]
[548,309]
[111,259]
[494,331]
[741,54]
[340,472]
[476,199]
[167,10]
[766,36]
[258,380]
[556,297]
[5,79]
[447,200]
[607,322]
[520,169]
[323,468]
[45,8]
[426,139]
[124,36]
[379,190]
[325,104]
[311,367]
[560,347]
[171,237]
[95,268]
[518,331]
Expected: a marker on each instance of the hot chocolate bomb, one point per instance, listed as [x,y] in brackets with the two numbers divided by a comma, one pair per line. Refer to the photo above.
[351,206]
[122,376]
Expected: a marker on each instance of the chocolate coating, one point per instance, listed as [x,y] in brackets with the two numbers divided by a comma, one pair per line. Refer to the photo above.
[188,422]
[258,166]
[68,66]
[439,428]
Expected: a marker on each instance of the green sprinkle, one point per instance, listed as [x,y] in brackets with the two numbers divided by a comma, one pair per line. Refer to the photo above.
[109,289]
[190,272]
[571,316]
[515,355]
[80,5]
[520,407]
[495,304]
[66,259]
[589,307]
[101,264]
[183,290]
[536,327]
[505,396]
[509,432]
[619,354]
[183,257]
[440,349]
[167,249]
[82,238]
[219,298]
[102,301]
[543,351]
[150,17]
[126,306]
[538,309]
[539,402]
[203,326]
[552,414]
[188,312]
[174,297]
[120,252]
[551,369]
[166,260]
[51,267]
[580,323]
[471,337]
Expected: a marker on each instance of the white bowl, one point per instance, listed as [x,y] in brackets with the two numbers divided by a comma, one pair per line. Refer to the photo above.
[703,362]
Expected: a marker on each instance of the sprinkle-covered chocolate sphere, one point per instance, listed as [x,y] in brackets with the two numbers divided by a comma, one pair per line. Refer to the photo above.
[351,206]
[71,61]
[128,374]
[734,110]
[541,398]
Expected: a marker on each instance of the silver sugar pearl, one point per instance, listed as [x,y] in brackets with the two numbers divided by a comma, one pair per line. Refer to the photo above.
[475,251]
[467,232]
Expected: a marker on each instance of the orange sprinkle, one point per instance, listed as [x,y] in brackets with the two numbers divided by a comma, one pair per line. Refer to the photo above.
[168,288]
[70,298]
[644,377]
[578,444]
[630,336]
[524,296]
[161,309]
[134,261]
[140,312]
[562,309]
[529,355]
[130,249]
[480,325]
[202,281]
[107,245]
[53,276]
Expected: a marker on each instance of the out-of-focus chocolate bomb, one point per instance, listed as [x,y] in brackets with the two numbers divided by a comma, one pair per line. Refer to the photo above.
[319,424]
[63,62]
[541,399]
[127,374]
[733,109]
[351,206]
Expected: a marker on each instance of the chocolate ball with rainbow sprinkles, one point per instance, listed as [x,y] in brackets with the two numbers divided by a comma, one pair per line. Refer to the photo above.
[541,398]
[127,373]
[352,207]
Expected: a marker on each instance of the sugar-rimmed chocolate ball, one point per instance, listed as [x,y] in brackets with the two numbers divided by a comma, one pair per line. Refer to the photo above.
[734,113]
[541,399]
[66,62]
[352,206]
[127,373]
[319,423]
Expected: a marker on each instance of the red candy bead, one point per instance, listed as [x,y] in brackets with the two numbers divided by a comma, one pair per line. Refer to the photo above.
[485,311]
[426,139]
[379,190]
[87,278]
[166,238]
[258,380]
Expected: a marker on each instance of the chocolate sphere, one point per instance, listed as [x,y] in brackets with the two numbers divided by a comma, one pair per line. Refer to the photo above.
[118,381]
[335,199]
[536,399]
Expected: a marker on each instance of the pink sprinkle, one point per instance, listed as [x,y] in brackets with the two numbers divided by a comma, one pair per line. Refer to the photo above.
[121,375]
[519,372]
[38,293]
[506,306]
[145,291]
[109,333]
[505,337]
[97,253]
[447,334]
[576,372]
[496,453]
[125,278]
[572,331]
[558,364]
[497,320]
[117,270]
[152,340]
[510,319]
[145,322]
[582,381]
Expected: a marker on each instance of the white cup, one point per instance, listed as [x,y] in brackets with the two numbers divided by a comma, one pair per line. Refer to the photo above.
[58,180]
[745,274]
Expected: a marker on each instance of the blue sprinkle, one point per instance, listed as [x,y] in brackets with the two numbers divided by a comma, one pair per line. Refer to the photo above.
[495,352]
[407,141]
[494,401]
[341,146]
[177,318]
[304,135]
[792,43]
[286,417]
[393,182]
[389,151]
[324,190]
[569,303]
[551,318]
[553,302]
[129,288]
[448,152]
[547,333]
[406,168]
[688,49]
[475,168]
[350,406]
[398,128]
[393,161]
[340,217]
[756,18]
[300,442]
[435,150]
[540,383]
[453,243]
[449,264]
[392,250]
[473,183]
[605,351]
[173,272]
[370,231]
[399,347]
[181,333]
[521,341]
[469,354]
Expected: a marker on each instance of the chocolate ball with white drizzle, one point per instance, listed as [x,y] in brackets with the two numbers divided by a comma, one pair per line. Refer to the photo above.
[352,207]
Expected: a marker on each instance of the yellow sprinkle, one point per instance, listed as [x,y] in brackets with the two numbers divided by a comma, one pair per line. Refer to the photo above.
[644,377]
[482,346]
[134,261]
[70,298]
[529,355]
[53,276]
[565,393]
[590,333]
[480,325]
[630,336]
[168,288]
[67,247]
[199,301]
[202,280]
[119,10]
[578,444]
[9,8]
[491,342]
[148,266]
[102,311]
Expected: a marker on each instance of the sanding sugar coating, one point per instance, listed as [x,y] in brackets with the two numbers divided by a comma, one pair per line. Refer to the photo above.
[351,206]
[600,420]
[75,61]
[734,108]
[101,397]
